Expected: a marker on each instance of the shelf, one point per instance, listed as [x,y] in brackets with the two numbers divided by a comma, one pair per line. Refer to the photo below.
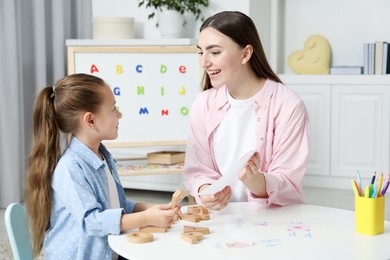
[131,42]
[335,79]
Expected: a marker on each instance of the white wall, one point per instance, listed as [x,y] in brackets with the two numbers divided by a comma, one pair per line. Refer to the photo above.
[258,10]
[347,24]
[145,28]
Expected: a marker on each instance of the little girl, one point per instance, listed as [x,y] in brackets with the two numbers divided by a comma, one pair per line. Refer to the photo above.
[75,199]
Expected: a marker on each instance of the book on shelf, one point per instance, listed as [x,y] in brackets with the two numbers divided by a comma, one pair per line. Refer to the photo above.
[365,58]
[378,57]
[371,58]
[386,58]
[346,70]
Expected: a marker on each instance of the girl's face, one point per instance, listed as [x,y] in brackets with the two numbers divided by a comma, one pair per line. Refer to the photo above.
[107,118]
[221,57]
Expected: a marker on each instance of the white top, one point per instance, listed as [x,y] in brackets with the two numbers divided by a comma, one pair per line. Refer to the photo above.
[234,137]
[114,199]
[245,230]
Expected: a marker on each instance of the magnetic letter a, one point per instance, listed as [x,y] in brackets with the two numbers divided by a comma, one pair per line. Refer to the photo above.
[94,68]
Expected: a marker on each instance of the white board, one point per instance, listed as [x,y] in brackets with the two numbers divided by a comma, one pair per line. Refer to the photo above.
[154,87]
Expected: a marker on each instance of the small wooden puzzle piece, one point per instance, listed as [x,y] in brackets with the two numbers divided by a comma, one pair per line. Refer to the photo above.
[197,209]
[139,237]
[192,237]
[152,229]
[178,196]
[203,230]
[190,217]
[204,216]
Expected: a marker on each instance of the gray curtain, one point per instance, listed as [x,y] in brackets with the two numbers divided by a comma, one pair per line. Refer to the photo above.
[32,55]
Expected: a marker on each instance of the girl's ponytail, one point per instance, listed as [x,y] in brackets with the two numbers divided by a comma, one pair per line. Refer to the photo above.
[44,155]
[56,110]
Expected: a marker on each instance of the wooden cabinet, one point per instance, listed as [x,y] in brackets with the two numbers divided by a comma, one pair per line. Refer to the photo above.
[349,126]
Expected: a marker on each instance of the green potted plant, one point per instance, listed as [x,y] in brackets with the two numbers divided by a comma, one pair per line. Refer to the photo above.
[181,6]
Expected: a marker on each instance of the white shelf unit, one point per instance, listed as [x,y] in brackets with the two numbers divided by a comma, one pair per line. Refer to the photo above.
[349,126]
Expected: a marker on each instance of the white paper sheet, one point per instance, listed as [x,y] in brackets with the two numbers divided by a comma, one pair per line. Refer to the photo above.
[228,177]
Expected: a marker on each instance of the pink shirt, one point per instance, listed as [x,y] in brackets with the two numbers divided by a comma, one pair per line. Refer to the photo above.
[282,127]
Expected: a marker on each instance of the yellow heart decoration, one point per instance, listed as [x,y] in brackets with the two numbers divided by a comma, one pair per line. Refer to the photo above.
[315,58]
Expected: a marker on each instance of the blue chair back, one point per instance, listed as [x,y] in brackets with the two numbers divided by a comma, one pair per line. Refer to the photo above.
[18,232]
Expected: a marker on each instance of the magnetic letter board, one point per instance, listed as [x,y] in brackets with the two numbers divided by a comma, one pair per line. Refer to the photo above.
[154,87]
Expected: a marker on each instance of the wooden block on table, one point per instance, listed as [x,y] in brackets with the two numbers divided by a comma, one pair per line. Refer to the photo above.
[139,237]
[197,209]
[204,216]
[190,217]
[191,200]
[192,237]
[152,229]
[204,230]
[165,157]
[198,235]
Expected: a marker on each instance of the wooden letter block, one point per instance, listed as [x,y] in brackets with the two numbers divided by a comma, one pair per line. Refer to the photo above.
[178,196]
[192,237]
[197,210]
[152,229]
[198,235]
[203,230]
[190,217]
[139,237]
[204,216]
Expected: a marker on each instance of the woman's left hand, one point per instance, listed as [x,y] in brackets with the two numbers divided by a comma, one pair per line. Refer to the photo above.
[251,170]
[252,177]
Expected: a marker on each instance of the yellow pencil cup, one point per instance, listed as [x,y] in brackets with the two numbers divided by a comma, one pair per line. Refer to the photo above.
[370,215]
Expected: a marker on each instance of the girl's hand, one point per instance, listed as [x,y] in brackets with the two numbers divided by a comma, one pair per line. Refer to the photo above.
[161,215]
[218,200]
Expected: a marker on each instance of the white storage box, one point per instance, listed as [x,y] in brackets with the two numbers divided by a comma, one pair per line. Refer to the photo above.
[113,28]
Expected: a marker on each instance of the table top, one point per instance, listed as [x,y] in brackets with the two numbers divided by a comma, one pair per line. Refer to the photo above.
[245,230]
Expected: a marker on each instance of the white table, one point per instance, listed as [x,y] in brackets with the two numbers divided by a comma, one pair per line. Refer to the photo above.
[247,231]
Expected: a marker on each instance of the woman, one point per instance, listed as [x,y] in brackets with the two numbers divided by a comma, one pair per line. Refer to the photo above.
[244,107]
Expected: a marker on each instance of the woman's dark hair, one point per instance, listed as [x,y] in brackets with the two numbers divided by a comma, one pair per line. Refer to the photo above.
[241,29]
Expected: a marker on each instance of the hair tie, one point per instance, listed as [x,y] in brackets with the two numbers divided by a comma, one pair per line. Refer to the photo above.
[52,94]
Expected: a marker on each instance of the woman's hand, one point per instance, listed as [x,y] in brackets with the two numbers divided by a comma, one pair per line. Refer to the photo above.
[251,169]
[252,177]
[218,200]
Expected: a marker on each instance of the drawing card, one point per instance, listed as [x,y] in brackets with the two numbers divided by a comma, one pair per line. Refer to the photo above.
[227,178]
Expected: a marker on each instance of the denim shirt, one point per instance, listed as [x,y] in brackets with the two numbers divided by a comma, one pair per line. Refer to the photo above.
[81,219]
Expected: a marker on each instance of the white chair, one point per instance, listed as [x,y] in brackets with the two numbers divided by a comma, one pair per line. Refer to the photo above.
[18,232]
